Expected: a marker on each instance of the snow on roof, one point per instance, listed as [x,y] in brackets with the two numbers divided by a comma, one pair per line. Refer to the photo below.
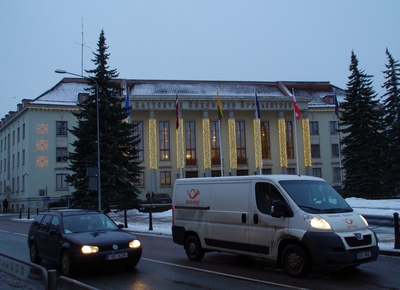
[64,93]
[206,88]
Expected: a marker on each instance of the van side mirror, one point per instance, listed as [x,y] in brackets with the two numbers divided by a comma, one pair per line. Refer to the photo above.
[280,209]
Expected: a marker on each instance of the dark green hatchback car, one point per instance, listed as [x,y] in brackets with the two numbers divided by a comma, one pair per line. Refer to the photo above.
[81,239]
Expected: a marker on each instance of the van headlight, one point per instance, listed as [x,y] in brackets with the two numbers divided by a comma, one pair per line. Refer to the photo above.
[317,222]
[365,221]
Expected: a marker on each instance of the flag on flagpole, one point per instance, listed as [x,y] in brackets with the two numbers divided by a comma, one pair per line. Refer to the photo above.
[257,107]
[336,105]
[127,105]
[220,113]
[176,112]
[296,108]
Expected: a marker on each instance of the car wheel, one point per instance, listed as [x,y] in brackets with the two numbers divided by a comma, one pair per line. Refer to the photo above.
[193,248]
[295,261]
[66,264]
[34,254]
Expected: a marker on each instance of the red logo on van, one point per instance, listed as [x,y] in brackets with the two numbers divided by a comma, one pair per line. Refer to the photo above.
[348,221]
[193,193]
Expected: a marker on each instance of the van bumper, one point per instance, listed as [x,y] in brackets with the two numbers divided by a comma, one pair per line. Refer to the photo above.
[178,235]
[328,251]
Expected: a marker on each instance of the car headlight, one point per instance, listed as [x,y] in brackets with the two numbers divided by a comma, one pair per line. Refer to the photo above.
[89,249]
[317,222]
[134,244]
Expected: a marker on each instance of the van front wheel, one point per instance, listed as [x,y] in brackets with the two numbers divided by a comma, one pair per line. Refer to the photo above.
[193,248]
[295,261]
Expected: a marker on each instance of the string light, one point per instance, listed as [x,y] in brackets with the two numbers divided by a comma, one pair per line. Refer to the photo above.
[232,143]
[153,143]
[257,142]
[307,142]
[180,145]
[282,143]
[206,143]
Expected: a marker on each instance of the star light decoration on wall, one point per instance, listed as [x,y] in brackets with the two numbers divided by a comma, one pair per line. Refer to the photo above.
[42,161]
[42,129]
[42,145]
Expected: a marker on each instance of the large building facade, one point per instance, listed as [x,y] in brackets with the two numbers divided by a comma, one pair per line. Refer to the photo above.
[181,134]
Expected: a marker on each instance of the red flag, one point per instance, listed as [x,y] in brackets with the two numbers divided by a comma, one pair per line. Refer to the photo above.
[296,108]
[176,112]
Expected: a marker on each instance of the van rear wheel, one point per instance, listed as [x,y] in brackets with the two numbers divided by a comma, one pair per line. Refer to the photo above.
[193,248]
[295,261]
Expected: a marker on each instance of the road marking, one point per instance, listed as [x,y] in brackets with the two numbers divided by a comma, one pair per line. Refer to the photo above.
[223,274]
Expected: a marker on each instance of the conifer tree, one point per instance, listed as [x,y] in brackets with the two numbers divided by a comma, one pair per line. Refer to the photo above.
[119,165]
[391,121]
[361,123]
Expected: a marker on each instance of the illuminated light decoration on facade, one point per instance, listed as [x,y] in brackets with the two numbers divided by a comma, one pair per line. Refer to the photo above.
[42,145]
[180,146]
[232,143]
[42,161]
[306,142]
[42,129]
[257,143]
[282,143]
[153,143]
[206,143]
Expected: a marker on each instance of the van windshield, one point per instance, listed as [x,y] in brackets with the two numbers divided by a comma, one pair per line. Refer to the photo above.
[315,196]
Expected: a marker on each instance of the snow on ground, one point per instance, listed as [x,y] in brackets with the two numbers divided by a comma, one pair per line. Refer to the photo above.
[161,221]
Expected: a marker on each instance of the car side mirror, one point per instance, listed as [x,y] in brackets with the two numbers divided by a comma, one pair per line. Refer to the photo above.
[54,233]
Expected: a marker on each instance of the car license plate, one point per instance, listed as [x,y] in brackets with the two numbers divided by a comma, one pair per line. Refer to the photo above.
[363,255]
[117,256]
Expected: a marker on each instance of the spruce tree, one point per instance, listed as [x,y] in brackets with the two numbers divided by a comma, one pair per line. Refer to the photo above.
[391,101]
[119,165]
[361,123]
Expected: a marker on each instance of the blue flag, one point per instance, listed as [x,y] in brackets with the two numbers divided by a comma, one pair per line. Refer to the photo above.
[257,108]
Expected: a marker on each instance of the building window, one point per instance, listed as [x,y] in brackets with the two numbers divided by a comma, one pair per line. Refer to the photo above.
[23,183]
[314,128]
[23,131]
[61,154]
[317,172]
[164,141]
[190,142]
[138,131]
[291,171]
[82,97]
[333,125]
[191,174]
[23,157]
[140,179]
[165,177]
[215,150]
[336,174]
[61,183]
[18,134]
[241,142]
[13,136]
[61,128]
[289,139]
[265,140]
[335,150]
[315,151]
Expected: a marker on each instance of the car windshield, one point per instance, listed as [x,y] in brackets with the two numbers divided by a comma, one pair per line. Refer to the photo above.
[315,196]
[87,223]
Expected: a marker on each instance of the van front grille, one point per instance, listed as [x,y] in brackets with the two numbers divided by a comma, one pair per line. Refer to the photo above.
[355,242]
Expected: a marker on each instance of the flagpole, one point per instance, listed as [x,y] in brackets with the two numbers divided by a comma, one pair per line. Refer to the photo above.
[295,137]
[220,147]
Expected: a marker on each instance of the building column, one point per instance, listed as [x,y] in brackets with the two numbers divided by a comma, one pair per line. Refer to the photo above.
[153,151]
[282,142]
[206,144]
[232,144]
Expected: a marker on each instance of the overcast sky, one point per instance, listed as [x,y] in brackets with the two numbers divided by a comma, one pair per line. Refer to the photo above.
[241,40]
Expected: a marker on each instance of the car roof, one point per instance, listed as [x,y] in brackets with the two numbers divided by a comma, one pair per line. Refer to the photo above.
[72,211]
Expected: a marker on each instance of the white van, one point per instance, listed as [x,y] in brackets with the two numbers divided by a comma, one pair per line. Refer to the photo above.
[298,221]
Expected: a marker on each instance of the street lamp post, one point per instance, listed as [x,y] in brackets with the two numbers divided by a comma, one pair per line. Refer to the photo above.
[59,71]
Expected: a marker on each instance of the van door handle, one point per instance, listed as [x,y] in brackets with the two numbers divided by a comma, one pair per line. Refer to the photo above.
[255,218]
[244,218]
